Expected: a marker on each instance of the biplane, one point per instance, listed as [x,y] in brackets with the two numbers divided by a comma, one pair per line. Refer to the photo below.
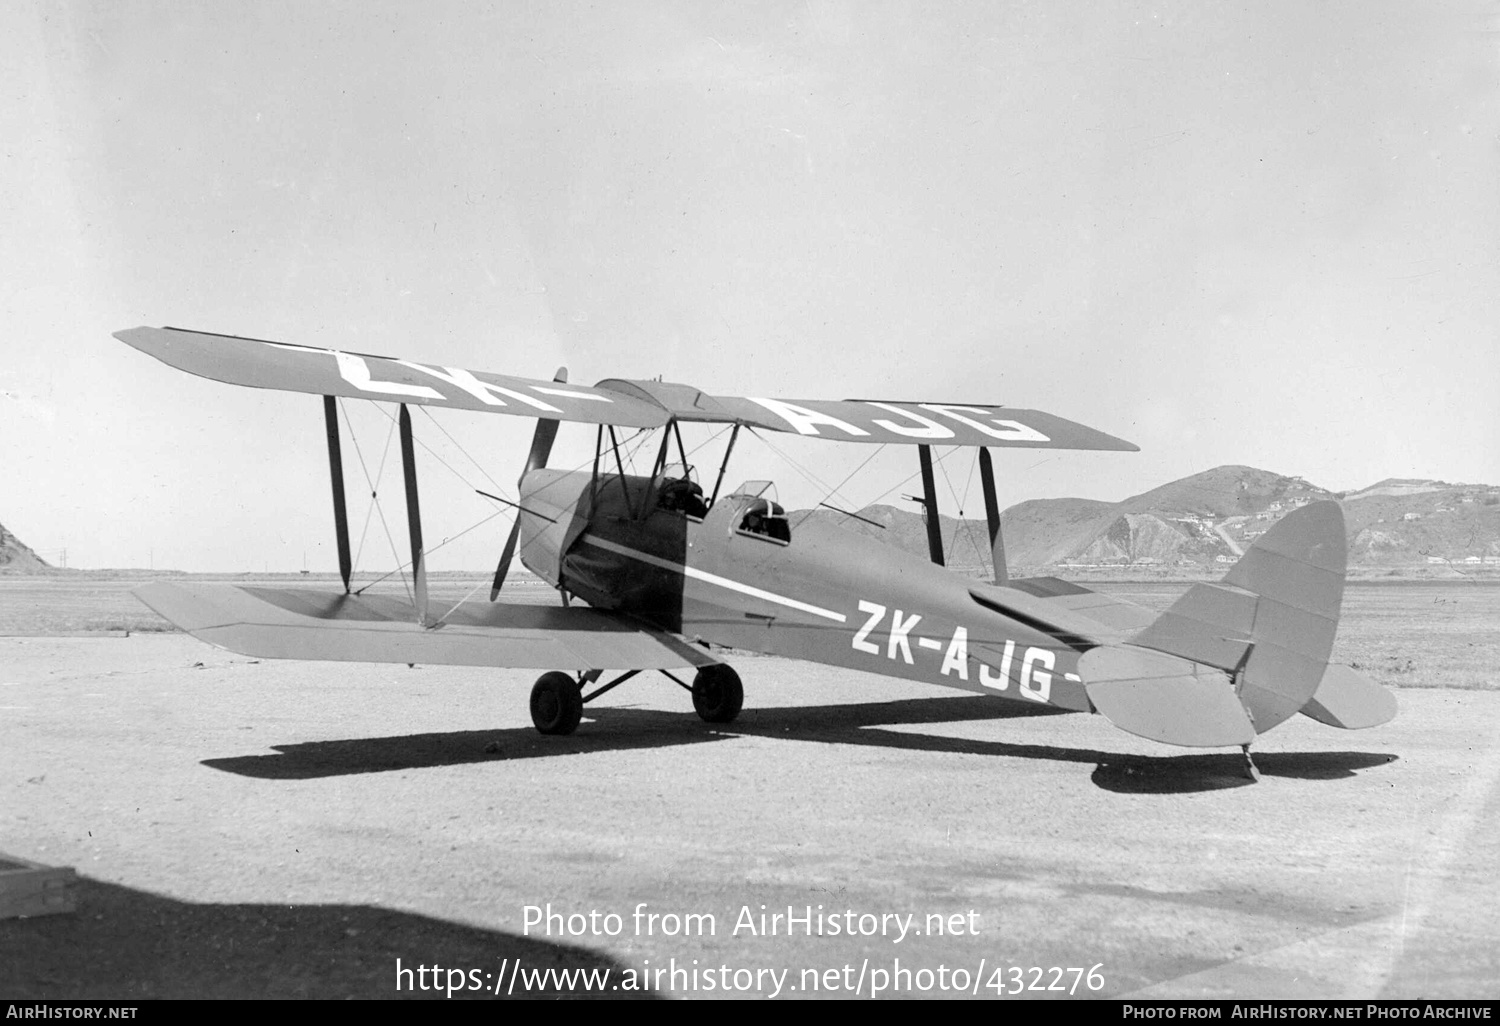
[655,573]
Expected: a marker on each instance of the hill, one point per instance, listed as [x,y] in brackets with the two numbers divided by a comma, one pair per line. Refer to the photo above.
[1203,519]
[1452,523]
[1398,486]
[1208,519]
[16,557]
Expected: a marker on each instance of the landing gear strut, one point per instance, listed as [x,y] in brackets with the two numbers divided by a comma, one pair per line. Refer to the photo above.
[718,693]
[556,703]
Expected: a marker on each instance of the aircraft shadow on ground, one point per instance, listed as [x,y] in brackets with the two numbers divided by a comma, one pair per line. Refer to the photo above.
[860,725]
[608,729]
[123,943]
[1215,771]
[313,759]
[623,729]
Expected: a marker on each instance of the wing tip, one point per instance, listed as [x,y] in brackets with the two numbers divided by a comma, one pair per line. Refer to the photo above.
[127,335]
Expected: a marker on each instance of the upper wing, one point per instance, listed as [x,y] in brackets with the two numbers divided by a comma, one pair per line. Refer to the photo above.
[644,404]
[293,368]
[300,623]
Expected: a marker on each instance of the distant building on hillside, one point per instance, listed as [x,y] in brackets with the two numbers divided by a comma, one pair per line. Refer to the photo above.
[1411,516]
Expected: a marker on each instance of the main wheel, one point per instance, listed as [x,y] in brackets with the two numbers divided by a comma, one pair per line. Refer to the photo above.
[718,694]
[556,703]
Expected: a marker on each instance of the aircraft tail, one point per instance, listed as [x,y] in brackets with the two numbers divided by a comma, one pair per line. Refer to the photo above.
[1231,660]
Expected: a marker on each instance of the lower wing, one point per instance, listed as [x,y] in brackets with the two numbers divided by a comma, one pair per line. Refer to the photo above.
[296,623]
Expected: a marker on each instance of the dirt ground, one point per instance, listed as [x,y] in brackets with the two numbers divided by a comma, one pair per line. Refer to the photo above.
[286,829]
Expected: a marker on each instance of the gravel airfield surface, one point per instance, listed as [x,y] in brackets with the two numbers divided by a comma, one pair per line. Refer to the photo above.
[252,829]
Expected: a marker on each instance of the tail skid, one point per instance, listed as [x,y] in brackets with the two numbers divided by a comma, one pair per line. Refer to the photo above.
[1229,661]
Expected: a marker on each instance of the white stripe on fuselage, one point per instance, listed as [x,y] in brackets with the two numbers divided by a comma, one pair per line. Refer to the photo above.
[723,582]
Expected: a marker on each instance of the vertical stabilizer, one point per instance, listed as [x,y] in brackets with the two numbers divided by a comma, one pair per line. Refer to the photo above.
[1262,635]
[1296,570]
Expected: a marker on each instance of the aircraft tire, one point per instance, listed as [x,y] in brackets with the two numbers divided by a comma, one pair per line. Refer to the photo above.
[718,694]
[556,703]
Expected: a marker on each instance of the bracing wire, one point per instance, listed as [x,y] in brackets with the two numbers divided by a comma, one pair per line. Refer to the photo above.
[434,454]
[938,459]
[364,469]
[472,592]
[812,478]
[640,438]
[375,508]
[965,525]
[847,477]
[709,440]
[436,548]
[375,500]
[478,466]
[908,479]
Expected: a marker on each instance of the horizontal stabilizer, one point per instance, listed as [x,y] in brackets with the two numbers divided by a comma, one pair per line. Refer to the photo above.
[1108,617]
[1212,624]
[297,623]
[1350,700]
[1164,698]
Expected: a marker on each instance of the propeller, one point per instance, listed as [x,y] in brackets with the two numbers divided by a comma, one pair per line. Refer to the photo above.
[541,448]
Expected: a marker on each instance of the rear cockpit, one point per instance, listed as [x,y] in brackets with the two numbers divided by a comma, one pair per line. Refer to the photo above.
[766,519]
[756,513]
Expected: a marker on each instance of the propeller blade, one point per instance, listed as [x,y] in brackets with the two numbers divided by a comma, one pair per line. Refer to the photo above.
[541,448]
[506,555]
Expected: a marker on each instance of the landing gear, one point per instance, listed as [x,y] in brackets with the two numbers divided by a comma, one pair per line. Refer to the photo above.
[718,694]
[556,703]
[557,698]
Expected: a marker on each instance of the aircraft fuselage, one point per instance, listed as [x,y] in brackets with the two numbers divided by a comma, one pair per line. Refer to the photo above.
[826,594]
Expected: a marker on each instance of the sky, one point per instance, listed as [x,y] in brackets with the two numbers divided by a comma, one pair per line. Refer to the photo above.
[1261,234]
